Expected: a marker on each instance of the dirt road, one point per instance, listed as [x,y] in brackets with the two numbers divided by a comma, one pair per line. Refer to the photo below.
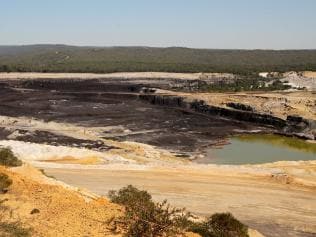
[275,209]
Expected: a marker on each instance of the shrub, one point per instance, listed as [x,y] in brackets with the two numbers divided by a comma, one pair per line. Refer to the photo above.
[5,182]
[220,225]
[13,229]
[7,158]
[129,195]
[143,217]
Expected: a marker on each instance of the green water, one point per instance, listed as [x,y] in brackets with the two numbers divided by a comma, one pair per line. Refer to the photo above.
[258,149]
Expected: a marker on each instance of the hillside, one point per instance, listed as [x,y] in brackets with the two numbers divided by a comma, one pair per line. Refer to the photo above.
[61,211]
[63,58]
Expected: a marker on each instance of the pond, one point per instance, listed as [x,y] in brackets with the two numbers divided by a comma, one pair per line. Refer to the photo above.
[259,148]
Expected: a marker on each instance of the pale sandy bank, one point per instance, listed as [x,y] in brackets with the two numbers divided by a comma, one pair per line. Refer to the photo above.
[274,208]
[126,75]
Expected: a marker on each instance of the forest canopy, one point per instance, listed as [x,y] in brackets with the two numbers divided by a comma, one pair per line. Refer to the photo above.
[63,58]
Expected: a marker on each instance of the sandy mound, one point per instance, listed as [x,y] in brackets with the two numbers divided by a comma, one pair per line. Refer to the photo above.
[62,212]
[41,152]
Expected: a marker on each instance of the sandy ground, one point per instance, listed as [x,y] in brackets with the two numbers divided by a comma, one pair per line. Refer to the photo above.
[310,74]
[63,212]
[273,208]
[63,209]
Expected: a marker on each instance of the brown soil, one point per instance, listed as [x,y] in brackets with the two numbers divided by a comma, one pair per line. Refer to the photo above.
[62,212]
[309,74]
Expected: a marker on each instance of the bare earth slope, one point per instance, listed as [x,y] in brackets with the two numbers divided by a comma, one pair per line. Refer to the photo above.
[63,212]
[279,104]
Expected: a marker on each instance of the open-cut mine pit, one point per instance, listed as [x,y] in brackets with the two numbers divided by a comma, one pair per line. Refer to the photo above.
[99,134]
[116,106]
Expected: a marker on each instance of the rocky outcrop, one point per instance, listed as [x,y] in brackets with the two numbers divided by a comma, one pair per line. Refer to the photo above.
[172,101]
[240,106]
[292,126]
[301,127]
[202,107]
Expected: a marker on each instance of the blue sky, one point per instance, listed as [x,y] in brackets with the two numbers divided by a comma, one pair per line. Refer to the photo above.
[275,24]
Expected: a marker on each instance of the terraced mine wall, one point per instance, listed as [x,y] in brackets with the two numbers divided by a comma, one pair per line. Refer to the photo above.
[114,91]
[292,126]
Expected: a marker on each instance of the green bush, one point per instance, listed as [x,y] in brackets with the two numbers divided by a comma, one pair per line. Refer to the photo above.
[220,225]
[7,158]
[245,83]
[5,182]
[143,217]
[146,218]
[129,195]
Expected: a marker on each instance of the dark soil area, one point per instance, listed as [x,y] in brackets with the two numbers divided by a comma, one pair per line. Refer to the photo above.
[104,103]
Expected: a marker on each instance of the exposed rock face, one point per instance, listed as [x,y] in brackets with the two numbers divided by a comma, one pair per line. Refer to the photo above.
[240,106]
[301,127]
[172,101]
[202,107]
[294,125]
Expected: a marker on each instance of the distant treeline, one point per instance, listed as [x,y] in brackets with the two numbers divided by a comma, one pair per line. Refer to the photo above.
[62,58]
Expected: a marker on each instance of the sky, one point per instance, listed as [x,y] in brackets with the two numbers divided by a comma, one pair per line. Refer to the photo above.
[231,24]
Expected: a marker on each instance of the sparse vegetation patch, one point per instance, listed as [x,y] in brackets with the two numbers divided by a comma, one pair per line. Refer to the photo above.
[220,225]
[7,158]
[5,182]
[9,229]
[13,229]
[146,218]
